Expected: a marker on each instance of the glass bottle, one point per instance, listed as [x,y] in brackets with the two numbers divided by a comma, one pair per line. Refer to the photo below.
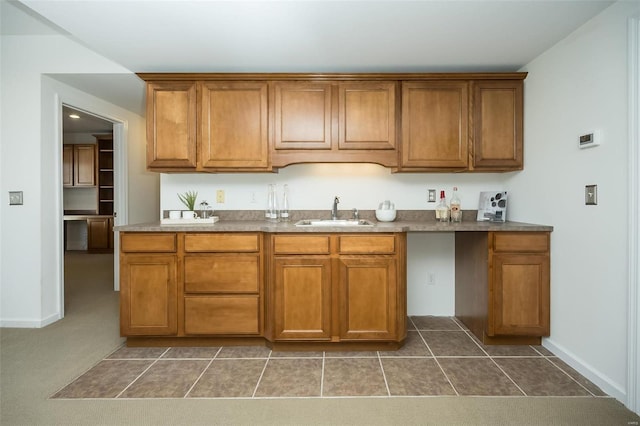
[271,211]
[284,206]
[456,211]
[442,210]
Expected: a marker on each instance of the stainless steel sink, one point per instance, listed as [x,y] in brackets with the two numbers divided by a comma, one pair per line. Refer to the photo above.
[331,222]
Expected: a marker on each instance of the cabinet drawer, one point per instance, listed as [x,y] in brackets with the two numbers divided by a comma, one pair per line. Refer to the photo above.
[148,243]
[221,243]
[301,244]
[221,273]
[521,242]
[369,244]
[221,315]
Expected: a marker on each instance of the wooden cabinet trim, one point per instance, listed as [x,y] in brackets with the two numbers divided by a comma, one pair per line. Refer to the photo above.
[330,76]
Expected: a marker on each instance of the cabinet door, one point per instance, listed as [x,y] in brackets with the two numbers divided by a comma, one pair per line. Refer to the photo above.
[171,125]
[519,295]
[84,165]
[435,125]
[148,295]
[67,165]
[367,115]
[497,125]
[98,233]
[233,125]
[368,302]
[303,115]
[302,302]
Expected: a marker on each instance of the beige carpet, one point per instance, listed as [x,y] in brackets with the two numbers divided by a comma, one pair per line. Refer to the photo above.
[34,364]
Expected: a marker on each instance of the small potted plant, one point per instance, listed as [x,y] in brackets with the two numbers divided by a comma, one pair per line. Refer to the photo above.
[189,200]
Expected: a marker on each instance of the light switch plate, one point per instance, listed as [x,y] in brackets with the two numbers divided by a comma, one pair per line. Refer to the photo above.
[15,198]
[591,195]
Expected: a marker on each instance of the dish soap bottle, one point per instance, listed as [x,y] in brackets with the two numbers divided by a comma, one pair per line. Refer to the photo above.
[442,210]
[456,211]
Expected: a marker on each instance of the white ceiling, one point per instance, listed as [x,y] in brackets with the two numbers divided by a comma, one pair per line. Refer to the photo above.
[86,123]
[308,36]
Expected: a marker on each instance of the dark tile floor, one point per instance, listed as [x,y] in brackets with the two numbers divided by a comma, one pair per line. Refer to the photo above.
[440,357]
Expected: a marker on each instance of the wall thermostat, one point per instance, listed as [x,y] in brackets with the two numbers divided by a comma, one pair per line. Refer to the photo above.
[589,140]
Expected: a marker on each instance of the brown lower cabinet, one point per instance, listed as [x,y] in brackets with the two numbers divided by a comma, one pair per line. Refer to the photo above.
[321,291]
[100,233]
[191,287]
[148,285]
[191,284]
[338,288]
[503,285]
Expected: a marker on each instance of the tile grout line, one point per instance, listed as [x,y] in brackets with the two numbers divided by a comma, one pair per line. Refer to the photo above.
[569,375]
[253,395]
[436,360]
[141,374]
[495,363]
[384,376]
[201,374]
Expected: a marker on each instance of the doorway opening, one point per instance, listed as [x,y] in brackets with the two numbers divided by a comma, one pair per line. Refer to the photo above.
[88,195]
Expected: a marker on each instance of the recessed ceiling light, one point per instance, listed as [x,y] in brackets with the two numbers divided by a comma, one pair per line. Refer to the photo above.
[74,116]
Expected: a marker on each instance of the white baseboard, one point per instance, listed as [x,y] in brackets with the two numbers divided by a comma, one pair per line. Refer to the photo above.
[25,323]
[603,382]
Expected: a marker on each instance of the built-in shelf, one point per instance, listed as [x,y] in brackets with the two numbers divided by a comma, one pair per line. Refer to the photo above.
[105,174]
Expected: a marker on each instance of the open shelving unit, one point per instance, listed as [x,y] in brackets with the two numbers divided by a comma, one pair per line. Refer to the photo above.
[105,174]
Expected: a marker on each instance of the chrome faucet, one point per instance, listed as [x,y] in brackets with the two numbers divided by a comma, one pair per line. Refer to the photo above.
[334,209]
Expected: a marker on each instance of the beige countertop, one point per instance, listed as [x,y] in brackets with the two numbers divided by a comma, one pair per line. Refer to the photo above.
[406,221]
[396,226]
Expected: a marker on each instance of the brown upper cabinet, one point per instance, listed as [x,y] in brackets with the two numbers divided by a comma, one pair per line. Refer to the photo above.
[473,125]
[334,121]
[79,165]
[408,122]
[233,132]
[435,121]
[171,125]
[497,131]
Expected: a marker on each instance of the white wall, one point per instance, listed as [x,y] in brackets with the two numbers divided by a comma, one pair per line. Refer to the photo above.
[578,86]
[30,261]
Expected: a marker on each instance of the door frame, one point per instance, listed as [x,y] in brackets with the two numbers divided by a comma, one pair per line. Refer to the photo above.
[633,327]
[120,132]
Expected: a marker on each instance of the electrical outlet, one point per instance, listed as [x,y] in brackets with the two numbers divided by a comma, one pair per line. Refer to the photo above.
[591,195]
[253,198]
[220,196]
[432,196]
